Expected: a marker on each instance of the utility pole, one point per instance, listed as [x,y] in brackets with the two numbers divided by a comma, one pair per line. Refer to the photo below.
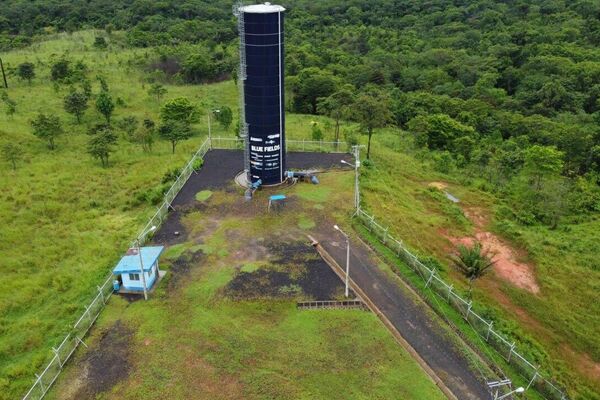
[139,251]
[3,74]
[337,228]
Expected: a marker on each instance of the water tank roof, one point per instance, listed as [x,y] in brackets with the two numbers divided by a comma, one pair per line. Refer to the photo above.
[265,8]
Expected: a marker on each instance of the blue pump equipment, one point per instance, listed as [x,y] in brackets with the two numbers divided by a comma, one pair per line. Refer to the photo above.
[250,191]
[301,175]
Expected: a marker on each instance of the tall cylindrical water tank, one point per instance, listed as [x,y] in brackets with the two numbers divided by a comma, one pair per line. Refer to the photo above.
[264,90]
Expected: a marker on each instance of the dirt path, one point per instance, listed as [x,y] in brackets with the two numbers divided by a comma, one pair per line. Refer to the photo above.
[104,365]
[507,265]
[410,316]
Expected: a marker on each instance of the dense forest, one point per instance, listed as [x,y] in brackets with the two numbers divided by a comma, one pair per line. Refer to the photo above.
[508,92]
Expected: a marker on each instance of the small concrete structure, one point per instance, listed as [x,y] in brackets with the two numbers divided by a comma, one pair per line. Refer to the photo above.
[128,270]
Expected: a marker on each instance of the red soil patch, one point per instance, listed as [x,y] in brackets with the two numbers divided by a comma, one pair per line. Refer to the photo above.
[507,266]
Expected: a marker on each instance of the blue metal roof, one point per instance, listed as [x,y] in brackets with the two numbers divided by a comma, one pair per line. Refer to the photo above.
[131,260]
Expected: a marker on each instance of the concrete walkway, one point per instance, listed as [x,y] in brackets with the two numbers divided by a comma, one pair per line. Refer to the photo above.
[409,315]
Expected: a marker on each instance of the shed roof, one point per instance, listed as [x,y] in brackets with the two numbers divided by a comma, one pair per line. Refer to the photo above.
[131,260]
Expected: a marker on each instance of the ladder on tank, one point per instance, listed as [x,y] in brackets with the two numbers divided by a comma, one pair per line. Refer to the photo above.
[241,79]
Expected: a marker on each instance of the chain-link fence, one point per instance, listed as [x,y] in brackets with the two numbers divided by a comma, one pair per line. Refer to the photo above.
[66,349]
[313,146]
[505,347]
[63,352]
[316,146]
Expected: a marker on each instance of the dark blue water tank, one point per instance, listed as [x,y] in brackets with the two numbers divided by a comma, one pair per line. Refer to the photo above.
[264,91]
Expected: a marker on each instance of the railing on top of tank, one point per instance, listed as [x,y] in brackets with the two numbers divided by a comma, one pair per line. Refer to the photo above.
[484,328]
[290,145]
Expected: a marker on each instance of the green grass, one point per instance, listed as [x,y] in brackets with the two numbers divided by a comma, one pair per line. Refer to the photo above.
[196,340]
[203,195]
[396,190]
[304,222]
[64,220]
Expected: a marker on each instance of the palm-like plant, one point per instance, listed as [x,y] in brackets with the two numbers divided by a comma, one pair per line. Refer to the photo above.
[473,261]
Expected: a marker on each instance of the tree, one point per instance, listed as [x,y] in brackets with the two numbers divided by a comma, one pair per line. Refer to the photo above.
[542,162]
[157,90]
[100,43]
[101,145]
[60,70]
[12,153]
[11,105]
[179,109]
[105,105]
[145,135]
[76,103]
[336,106]
[439,131]
[473,261]
[309,86]
[26,71]
[316,132]
[372,110]
[48,128]
[224,115]
[175,131]
[129,126]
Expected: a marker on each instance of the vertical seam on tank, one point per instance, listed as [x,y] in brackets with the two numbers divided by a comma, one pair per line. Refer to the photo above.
[280,105]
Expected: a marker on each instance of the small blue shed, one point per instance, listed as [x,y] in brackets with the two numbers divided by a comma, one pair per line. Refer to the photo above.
[129,268]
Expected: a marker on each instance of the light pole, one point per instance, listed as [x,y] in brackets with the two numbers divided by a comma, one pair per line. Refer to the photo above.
[337,228]
[517,390]
[139,251]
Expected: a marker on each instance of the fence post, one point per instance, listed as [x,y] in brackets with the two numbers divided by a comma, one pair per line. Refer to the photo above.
[430,277]
[101,295]
[468,310]
[535,374]
[39,380]
[303,144]
[450,292]
[512,348]
[385,233]
[487,337]
[87,311]
[58,356]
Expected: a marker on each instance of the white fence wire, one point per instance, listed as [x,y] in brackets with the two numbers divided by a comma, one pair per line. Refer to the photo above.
[290,145]
[65,350]
[67,347]
[484,328]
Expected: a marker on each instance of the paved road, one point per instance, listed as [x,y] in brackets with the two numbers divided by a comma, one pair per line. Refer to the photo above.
[409,315]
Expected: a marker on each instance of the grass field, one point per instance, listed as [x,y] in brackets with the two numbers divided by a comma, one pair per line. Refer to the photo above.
[225,323]
[556,325]
[65,221]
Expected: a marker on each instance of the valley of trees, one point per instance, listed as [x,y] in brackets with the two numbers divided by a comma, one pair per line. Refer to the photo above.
[508,93]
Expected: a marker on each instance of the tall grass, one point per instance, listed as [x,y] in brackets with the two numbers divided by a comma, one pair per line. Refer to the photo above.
[65,220]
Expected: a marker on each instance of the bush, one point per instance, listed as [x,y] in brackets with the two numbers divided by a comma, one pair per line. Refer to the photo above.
[171,175]
[198,163]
